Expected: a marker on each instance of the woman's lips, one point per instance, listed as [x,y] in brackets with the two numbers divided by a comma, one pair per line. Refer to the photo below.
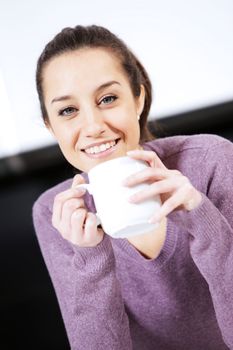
[102,150]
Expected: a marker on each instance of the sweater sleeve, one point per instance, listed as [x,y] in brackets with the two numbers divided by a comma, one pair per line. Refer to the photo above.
[86,286]
[210,226]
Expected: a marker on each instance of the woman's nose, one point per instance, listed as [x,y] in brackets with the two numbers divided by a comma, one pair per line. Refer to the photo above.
[93,124]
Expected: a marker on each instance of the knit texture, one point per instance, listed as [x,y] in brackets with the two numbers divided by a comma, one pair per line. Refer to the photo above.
[111,297]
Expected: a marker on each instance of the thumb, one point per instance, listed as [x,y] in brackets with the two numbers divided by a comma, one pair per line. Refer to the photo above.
[78,180]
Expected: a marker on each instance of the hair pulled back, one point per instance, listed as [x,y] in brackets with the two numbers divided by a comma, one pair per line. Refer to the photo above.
[93,36]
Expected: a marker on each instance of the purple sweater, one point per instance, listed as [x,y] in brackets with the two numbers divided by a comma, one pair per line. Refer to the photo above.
[113,298]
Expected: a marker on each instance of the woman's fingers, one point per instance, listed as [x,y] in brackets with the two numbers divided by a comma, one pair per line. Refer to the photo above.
[169,205]
[149,175]
[61,198]
[147,156]
[71,218]
[92,234]
[84,232]
[77,180]
[70,206]
[156,188]
[77,223]
[185,197]
[175,189]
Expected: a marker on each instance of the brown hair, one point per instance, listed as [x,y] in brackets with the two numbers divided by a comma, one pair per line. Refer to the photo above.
[93,36]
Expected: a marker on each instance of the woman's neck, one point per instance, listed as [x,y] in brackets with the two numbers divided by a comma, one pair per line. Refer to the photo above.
[150,244]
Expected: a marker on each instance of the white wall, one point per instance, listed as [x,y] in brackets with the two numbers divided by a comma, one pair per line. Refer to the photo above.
[186,46]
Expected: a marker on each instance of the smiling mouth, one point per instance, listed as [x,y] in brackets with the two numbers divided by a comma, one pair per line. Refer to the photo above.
[101,148]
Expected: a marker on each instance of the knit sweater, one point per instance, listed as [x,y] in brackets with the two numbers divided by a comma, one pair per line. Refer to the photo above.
[111,297]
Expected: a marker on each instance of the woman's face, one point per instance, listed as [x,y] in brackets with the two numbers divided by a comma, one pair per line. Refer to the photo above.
[92,111]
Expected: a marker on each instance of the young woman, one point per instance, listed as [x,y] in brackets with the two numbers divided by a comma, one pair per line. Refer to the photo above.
[168,289]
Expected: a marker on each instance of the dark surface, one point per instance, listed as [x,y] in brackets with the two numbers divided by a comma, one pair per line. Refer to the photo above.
[29,314]
[213,120]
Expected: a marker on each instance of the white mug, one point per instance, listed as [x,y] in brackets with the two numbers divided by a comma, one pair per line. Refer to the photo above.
[118,217]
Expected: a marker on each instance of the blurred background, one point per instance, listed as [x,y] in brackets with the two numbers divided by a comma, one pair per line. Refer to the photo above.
[187,48]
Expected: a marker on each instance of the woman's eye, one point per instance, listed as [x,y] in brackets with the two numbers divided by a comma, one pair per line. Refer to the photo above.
[68,111]
[108,99]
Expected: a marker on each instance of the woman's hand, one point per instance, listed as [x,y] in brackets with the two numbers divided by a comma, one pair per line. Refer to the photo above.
[71,218]
[175,190]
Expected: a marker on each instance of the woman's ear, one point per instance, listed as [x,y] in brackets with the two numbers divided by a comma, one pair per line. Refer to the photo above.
[141,100]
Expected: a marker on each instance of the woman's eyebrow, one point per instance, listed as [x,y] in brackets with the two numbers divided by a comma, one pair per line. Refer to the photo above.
[101,87]
[107,84]
[61,98]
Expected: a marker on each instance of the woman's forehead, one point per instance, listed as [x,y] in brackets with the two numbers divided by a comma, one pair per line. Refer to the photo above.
[83,64]
[85,57]
[82,70]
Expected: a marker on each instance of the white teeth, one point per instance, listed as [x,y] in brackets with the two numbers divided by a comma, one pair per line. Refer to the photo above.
[103,147]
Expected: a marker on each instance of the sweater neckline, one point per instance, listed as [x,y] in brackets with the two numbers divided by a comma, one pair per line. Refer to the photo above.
[123,247]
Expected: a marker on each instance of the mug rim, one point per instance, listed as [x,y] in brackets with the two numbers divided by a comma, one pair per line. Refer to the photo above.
[121,158]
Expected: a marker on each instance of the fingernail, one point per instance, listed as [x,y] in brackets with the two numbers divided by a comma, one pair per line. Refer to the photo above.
[132,152]
[125,182]
[80,189]
[154,220]
[132,199]
[78,177]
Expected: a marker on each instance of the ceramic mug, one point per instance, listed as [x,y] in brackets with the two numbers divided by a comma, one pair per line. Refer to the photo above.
[118,217]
